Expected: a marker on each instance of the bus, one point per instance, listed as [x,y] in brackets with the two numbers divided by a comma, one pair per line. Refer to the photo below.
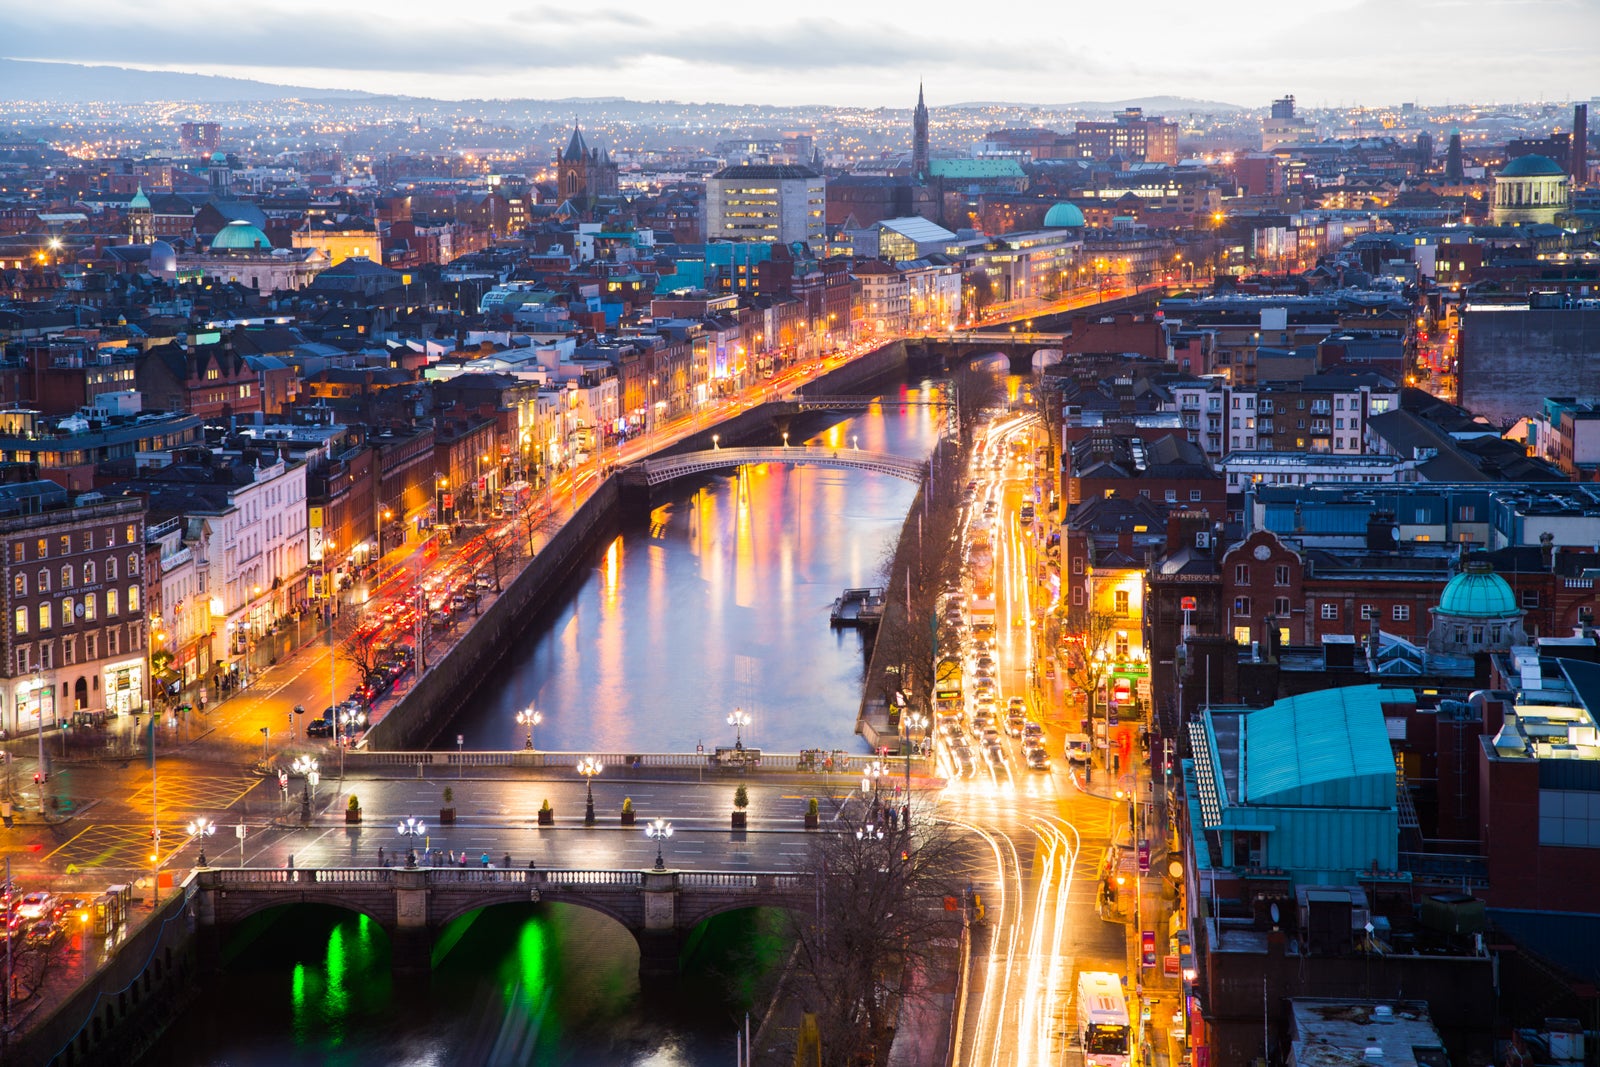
[1103,1030]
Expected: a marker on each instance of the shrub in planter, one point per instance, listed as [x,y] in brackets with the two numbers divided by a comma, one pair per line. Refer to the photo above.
[447,811]
[741,801]
[547,814]
[627,811]
[813,816]
[352,810]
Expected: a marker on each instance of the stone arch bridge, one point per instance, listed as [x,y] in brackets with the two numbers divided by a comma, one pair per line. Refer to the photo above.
[412,904]
[654,472]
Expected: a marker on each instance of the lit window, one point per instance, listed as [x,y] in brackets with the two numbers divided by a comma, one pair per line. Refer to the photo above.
[44,615]
[133,598]
[21,622]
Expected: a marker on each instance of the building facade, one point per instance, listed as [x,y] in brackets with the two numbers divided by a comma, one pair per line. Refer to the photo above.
[784,204]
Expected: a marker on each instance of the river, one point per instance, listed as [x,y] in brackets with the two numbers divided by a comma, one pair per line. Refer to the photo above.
[718,600]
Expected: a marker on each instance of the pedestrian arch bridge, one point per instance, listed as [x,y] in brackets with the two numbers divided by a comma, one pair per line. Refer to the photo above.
[667,468]
[413,903]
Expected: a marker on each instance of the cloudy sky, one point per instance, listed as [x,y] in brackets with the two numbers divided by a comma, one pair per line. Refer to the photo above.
[843,52]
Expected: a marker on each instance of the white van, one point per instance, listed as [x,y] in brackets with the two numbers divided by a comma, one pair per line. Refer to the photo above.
[1076,748]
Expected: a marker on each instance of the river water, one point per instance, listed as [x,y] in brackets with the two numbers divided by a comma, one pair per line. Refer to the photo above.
[719,599]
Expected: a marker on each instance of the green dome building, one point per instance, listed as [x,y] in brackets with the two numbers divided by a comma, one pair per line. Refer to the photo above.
[240,236]
[1064,216]
[1477,613]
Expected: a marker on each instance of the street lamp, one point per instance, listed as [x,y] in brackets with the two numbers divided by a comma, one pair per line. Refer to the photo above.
[869,780]
[870,832]
[530,718]
[413,829]
[658,831]
[739,720]
[306,767]
[202,828]
[912,720]
[786,439]
[716,439]
[589,766]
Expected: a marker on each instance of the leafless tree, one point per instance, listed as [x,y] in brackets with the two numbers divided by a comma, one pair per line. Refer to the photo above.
[363,650]
[499,554]
[880,914]
[1090,636]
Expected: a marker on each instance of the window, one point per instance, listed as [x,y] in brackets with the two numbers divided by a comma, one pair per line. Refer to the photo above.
[88,573]
[1330,611]
[111,602]
[1171,496]
[1122,601]
[20,622]
[1077,566]
[69,651]
[67,613]
[19,585]
[1366,613]
[133,598]
[44,655]
[130,533]
[66,576]
[133,563]
[1120,646]
[45,612]
[91,646]
[1241,606]
[1530,598]
[1241,574]
[1077,597]
[1280,574]
[1400,613]
[111,568]
[88,607]
[1194,496]
[1466,513]
[42,547]
[44,581]
[19,552]
[66,544]
[111,641]
[1280,606]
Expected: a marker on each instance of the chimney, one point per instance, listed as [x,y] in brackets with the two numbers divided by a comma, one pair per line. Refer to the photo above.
[1578,147]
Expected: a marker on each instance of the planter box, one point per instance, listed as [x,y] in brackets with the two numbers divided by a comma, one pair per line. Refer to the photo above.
[447,815]
[627,818]
[352,815]
[813,821]
[739,819]
[547,817]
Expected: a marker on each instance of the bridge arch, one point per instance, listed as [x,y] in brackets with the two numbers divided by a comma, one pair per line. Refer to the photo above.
[249,906]
[667,468]
[618,915]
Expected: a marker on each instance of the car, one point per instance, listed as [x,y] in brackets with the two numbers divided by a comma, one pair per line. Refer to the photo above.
[981,717]
[1014,724]
[964,760]
[1076,746]
[997,755]
[986,663]
[36,905]
[953,731]
[1038,759]
[322,727]
[991,736]
[44,933]
[1017,702]
[72,910]
[1032,729]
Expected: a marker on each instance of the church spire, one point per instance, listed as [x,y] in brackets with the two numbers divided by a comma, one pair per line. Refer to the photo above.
[919,138]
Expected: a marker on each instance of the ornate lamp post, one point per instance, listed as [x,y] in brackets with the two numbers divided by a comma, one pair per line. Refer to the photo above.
[911,720]
[658,831]
[589,766]
[530,718]
[202,828]
[412,829]
[739,720]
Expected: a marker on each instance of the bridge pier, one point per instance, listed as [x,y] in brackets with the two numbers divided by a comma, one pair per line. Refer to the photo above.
[660,942]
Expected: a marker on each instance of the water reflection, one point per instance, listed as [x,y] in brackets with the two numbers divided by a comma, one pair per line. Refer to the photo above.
[718,598]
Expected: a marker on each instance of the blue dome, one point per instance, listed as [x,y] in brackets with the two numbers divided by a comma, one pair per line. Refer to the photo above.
[239,235]
[1532,167]
[1478,593]
[1063,216]
[163,258]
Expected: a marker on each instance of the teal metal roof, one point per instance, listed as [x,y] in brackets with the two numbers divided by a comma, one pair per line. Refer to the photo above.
[1532,167]
[975,168]
[1323,749]
[1478,593]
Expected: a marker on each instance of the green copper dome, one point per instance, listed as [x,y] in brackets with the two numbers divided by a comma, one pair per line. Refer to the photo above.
[1063,216]
[140,202]
[1532,167]
[1478,593]
[239,235]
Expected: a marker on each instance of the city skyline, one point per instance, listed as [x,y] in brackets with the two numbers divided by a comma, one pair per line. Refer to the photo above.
[1337,55]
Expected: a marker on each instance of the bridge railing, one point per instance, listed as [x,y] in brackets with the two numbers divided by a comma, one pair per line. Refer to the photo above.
[815,762]
[490,877]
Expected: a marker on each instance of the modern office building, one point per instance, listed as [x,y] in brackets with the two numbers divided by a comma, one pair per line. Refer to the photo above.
[781,203]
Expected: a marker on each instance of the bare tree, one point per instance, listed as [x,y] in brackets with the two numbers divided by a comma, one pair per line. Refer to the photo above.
[880,914]
[1089,647]
[498,554]
[364,650]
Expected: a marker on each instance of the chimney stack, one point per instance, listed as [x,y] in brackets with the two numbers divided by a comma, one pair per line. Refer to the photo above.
[1578,146]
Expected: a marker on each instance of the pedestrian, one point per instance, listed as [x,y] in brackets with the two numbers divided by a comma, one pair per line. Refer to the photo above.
[486,859]
[463,859]
[507,863]
[532,866]
[905,816]
[291,861]
[380,855]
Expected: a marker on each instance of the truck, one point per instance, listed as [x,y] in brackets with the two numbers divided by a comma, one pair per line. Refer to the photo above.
[1103,1031]
[980,616]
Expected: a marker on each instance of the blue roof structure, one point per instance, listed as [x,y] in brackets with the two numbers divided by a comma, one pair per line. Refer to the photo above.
[240,235]
[1478,593]
[1319,748]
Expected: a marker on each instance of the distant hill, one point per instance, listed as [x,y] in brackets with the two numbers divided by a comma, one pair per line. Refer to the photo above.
[24,79]
[1153,105]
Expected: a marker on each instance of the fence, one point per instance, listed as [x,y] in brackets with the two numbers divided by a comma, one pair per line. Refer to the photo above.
[808,762]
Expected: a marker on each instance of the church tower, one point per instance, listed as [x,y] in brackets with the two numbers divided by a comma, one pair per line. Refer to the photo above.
[572,169]
[919,139]
[141,219]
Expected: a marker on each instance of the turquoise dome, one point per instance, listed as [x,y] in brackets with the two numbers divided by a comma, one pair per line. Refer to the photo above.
[140,202]
[239,235]
[1478,593]
[1532,167]
[1063,216]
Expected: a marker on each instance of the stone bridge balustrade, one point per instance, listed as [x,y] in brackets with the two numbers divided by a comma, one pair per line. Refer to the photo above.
[412,904]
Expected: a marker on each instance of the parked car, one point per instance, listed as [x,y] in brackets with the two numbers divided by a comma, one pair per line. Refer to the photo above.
[1076,747]
[322,727]
[1038,759]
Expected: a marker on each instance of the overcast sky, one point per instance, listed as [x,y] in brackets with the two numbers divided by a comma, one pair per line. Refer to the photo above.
[847,52]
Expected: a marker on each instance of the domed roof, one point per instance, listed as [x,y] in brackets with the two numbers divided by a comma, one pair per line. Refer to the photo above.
[239,235]
[1063,216]
[163,258]
[140,202]
[1478,593]
[1532,167]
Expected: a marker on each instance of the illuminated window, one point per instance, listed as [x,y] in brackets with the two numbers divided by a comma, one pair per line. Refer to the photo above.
[66,576]
[1122,601]
[88,607]
[111,602]
[133,598]
[21,621]
[44,615]
[19,585]
[111,568]
[88,573]
[67,612]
